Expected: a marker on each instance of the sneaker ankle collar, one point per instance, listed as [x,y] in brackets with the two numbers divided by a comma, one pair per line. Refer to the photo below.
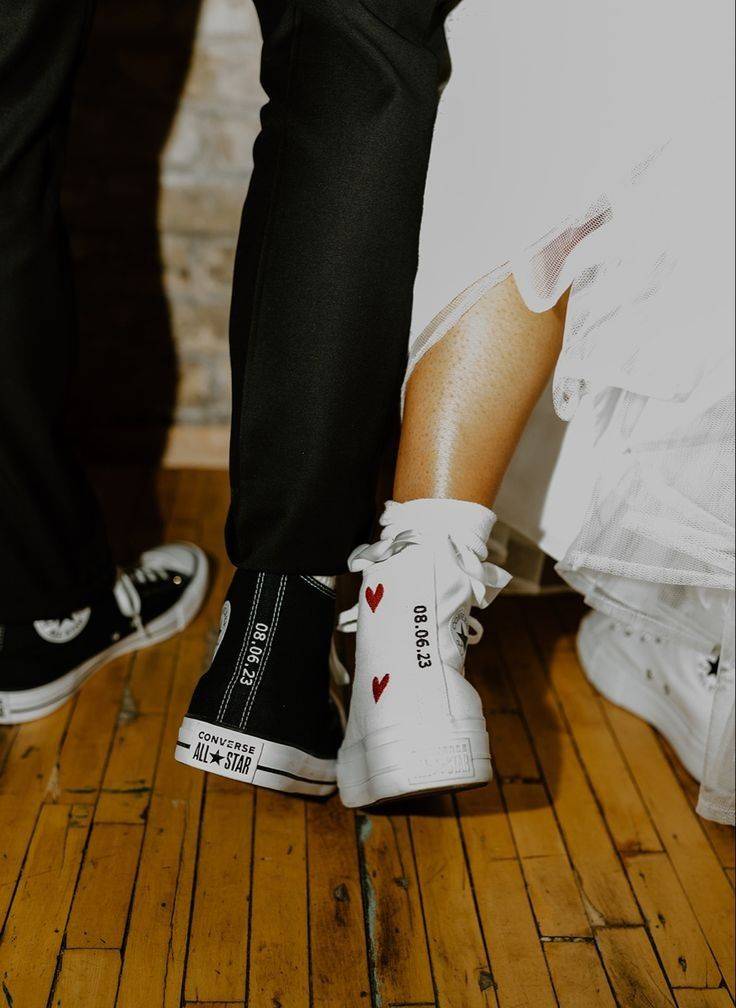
[418,522]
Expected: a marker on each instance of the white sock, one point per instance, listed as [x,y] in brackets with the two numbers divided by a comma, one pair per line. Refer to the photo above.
[465,521]
[328,580]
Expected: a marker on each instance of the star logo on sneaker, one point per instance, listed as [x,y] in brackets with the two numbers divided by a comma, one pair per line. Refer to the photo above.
[231,758]
[459,630]
[64,630]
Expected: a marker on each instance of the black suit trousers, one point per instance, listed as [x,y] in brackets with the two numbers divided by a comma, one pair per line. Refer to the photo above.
[322,289]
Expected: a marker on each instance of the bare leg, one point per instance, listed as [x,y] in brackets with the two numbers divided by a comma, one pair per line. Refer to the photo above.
[470,397]
[467,403]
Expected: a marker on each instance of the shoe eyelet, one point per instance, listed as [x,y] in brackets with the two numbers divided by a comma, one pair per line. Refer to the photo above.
[650,674]
[177,579]
[115,637]
[666,689]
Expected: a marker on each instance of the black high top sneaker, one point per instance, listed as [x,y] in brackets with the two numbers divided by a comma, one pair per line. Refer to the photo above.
[263,712]
[45,662]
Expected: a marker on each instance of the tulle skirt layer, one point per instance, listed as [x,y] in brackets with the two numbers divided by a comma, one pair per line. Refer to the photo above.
[634,492]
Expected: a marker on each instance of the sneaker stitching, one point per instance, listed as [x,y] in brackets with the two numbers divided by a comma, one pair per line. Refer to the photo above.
[231,685]
[276,617]
[240,663]
[267,651]
[329,592]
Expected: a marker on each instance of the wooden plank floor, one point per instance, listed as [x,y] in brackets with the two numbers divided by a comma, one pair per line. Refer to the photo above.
[580,878]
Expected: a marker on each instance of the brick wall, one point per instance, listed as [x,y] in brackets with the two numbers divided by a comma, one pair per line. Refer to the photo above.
[163,124]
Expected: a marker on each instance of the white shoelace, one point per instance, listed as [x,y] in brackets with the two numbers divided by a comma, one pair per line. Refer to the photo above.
[126,594]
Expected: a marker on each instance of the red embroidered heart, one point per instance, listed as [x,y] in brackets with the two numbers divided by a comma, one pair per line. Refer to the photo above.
[373,597]
[379,686]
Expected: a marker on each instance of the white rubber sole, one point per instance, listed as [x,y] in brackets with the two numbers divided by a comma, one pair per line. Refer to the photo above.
[403,760]
[239,756]
[20,706]
[626,689]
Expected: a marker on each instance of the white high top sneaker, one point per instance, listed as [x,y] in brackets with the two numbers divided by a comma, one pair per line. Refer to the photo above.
[415,723]
[666,683]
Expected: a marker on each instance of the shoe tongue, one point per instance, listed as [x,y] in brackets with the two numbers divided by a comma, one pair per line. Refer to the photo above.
[466,523]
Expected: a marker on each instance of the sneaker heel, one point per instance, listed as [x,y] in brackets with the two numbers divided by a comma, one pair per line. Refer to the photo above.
[425,762]
[252,760]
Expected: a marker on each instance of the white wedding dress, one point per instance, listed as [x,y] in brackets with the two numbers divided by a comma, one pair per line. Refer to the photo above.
[591,146]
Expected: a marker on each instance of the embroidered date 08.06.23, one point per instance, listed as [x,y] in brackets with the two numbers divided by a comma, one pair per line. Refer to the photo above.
[421,637]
